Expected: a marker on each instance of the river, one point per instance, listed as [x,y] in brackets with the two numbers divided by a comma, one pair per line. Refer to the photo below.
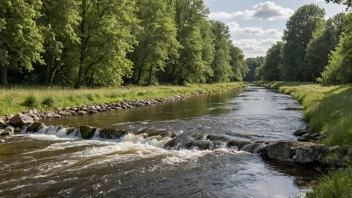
[50,164]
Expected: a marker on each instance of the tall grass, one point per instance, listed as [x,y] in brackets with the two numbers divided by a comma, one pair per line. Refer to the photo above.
[333,185]
[16,98]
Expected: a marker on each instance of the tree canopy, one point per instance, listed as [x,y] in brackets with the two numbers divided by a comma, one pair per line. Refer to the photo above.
[112,42]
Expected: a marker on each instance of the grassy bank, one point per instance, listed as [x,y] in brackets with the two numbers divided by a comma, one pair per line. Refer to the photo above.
[328,109]
[16,99]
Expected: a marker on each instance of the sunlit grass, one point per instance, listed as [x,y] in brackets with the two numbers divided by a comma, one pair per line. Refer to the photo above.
[16,99]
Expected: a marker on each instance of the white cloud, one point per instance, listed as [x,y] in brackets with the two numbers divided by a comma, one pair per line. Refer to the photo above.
[254,47]
[264,11]
[235,28]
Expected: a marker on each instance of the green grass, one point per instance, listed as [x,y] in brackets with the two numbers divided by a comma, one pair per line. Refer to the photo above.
[328,109]
[16,99]
[337,184]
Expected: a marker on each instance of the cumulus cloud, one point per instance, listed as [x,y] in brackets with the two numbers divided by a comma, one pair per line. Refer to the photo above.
[265,11]
[254,47]
[235,28]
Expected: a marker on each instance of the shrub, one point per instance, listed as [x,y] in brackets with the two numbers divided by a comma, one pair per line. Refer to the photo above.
[30,101]
[48,101]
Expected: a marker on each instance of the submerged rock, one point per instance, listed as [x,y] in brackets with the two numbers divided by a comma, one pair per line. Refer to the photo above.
[254,148]
[4,133]
[112,133]
[20,120]
[239,144]
[201,145]
[35,127]
[87,132]
[10,129]
[297,152]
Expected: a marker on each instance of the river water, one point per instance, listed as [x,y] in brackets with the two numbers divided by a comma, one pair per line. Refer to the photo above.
[51,164]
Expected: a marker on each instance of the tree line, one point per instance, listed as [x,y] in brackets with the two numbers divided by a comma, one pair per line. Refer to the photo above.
[111,42]
[313,49]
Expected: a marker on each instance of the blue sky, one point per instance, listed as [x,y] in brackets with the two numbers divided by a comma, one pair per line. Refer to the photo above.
[255,25]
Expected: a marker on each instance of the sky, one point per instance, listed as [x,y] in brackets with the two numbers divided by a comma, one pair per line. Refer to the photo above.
[255,25]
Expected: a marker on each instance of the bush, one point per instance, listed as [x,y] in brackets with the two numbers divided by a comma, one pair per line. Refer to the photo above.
[90,97]
[48,101]
[30,101]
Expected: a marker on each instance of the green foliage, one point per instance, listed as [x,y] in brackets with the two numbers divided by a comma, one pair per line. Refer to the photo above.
[271,69]
[20,40]
[339,69]
[324,40]
[300,28]
[252,65]
[156,36]
[110,42]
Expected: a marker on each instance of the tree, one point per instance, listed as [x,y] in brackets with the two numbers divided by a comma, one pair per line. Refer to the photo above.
[298,33]
[324,40]
[339,69]
[237,63]
[253,64]
[105,39]
[20,40]
[348,3]
[156,39]
[189,65]
[271,69]
[59,23]
[221,64]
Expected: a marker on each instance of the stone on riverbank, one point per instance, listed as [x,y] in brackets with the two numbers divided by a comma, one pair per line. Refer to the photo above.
[300,133]
[20,120]
[297,152]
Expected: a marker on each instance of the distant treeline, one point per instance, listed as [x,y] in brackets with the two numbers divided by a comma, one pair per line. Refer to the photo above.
[313,49]
[108,42]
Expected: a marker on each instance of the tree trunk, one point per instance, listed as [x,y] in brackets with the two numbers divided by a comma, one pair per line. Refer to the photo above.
[3,75]
[83,45]
[52,76]
[150,75]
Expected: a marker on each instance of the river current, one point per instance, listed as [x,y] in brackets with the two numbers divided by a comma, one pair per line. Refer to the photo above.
[52,164]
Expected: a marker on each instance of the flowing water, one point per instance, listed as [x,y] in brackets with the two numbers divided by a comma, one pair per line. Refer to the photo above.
[52,164]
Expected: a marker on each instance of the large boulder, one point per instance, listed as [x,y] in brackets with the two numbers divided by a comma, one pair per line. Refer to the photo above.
[20,120]
[297,152]
[87,132]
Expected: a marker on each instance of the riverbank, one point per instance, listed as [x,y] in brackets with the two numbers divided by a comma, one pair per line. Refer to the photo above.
[15,100]
[328,109]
